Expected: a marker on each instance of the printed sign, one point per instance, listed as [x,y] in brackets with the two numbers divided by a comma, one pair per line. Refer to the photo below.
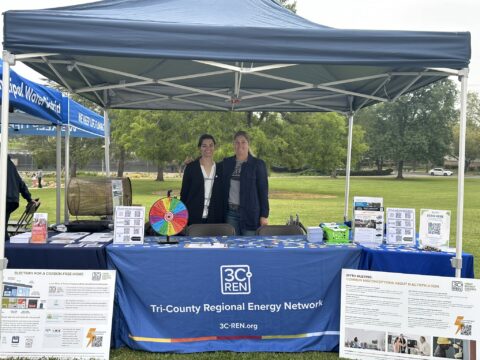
[400,226]
[405,316]
[57,313]
[129,225]
[434,228]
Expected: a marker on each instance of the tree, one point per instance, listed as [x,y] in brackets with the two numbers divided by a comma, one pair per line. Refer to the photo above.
[153,137]
[120,123]
[472,138]
[417,127]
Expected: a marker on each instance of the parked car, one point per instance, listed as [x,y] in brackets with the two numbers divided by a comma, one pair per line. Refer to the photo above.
[440,172]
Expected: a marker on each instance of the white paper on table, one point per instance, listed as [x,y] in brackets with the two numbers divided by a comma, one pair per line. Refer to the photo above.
[98,237]
[21,238]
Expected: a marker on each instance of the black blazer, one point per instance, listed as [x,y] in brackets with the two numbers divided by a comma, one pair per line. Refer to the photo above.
[192,194]
[253,190]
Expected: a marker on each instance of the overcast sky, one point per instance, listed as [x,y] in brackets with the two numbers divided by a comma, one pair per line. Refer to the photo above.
[433,15]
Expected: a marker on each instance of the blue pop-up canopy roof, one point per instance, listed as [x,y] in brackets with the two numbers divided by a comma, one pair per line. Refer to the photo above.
[225,55]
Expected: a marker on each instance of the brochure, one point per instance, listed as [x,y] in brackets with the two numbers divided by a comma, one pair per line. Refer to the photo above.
[39,228]
[400,226]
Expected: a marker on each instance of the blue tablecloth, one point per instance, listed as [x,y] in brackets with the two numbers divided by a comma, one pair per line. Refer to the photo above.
[409,260]
[55,256]
[255,295]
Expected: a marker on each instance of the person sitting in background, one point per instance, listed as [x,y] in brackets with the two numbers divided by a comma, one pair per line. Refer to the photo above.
[245,184]
[201,190]
[15,187]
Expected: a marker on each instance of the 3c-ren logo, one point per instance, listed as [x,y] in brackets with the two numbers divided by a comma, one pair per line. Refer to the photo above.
[235,279]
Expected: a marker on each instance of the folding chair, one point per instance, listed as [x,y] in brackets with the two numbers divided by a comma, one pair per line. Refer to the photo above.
[210,230]
[21,225]
[271,230]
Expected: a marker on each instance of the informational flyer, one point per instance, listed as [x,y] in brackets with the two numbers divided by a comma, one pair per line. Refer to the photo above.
[405,316]
[368,219]
[400,226]
[117,193]
[39,228]
[368,226]
[434,228]
[62,314]
[129,225]
[367,203]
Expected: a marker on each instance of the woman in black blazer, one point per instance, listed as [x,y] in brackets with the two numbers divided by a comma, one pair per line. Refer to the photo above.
[201,185]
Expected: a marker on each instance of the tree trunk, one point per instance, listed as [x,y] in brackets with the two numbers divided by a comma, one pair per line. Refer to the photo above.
[159,173]
[379,164]
[249,118]
[400,169]
[73,169]
[333,174]
[121,163]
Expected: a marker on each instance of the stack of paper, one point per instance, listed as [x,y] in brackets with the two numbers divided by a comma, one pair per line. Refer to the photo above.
[21,238]
[315,234]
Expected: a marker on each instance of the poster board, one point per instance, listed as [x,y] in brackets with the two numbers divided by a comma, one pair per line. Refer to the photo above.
[57,313]
[405,316]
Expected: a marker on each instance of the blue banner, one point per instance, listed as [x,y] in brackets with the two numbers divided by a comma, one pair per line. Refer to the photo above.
[82,118]
[46,130]
[270,297]
[33,98]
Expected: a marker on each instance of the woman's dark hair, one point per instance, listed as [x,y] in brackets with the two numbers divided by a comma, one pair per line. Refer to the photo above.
[205,137]
[241,133]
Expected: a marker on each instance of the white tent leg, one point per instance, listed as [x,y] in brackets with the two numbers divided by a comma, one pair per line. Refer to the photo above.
[67,166]
[58,178]
[107,142]
[349,161]
[457,260]
[8,60]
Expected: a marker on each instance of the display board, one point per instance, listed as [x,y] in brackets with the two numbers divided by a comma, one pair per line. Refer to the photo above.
[405,316]
[57,313]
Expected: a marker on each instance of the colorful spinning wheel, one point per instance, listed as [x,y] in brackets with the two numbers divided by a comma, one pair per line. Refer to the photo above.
[168,216]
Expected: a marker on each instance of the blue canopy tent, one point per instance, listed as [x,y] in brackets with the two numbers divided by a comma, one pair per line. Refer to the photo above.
[40,110]
[230,55]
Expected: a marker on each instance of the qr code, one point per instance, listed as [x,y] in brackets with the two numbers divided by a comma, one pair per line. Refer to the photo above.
[398,223]
[398,215]
[398,238]
[457,286]
[434,228]
[466,330]
[96,276]
[408,215]
[97,341]
[126,238]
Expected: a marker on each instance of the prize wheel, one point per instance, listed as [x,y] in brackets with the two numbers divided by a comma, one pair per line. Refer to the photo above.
[168,216]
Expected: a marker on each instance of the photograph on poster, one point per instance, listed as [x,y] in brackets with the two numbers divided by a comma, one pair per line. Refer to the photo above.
[365,339]
[409,344]
[450,348]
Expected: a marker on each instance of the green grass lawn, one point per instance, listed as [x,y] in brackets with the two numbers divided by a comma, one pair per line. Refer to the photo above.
[316,200]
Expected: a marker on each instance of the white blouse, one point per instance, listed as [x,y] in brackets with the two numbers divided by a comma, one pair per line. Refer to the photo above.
[208,180]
